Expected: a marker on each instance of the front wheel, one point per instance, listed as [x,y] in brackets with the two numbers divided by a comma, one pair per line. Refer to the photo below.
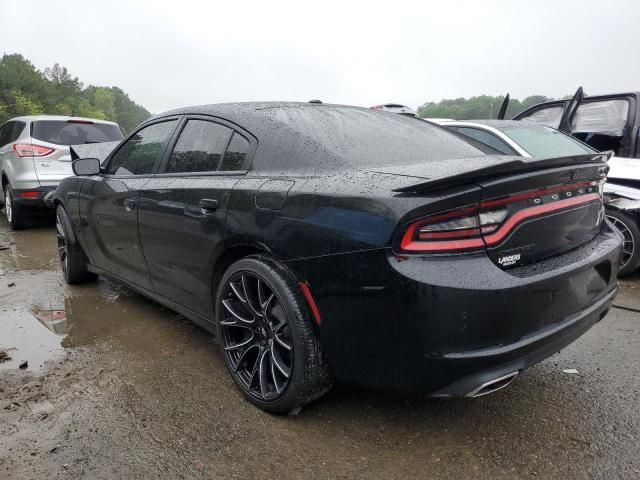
[627,225]
[72,259]
[267,337]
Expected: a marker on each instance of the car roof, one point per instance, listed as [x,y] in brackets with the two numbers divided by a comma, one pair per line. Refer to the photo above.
[63,118]
[279,140]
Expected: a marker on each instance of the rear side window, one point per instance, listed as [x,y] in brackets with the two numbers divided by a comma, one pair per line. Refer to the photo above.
[138,154]
[199,148]
[549,116]
[544,142]
[74,132]
[368,137]
[487,138]
[6,133]
[236,154]
[17,130]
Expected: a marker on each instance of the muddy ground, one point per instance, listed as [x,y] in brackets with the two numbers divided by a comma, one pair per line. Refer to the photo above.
[117,387]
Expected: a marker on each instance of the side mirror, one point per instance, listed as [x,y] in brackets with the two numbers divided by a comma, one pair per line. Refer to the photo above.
[86,166]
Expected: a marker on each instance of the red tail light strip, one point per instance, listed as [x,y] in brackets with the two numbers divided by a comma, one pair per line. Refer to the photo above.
[410,245]
[536,211]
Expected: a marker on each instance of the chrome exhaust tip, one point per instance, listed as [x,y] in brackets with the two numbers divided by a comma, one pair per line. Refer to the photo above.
[493,385]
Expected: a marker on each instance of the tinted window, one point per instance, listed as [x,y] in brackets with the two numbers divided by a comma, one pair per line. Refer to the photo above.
[5,133]
[607,117]
[544,142]
[549,116]
[236,154]
[199,148]
[487,138]
[138,154]
[368,137]
[74,132]
[17,130]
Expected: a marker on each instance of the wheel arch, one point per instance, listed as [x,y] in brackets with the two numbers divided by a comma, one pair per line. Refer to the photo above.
[229,256]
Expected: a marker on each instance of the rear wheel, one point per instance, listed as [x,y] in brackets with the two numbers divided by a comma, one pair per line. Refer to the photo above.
[17,215]
[627,225]
[72,259]
[267,337]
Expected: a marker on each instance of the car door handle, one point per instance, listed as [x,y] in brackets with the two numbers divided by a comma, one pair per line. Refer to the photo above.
[129,204]
[208,205]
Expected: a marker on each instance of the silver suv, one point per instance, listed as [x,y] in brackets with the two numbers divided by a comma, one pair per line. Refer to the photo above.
[34,157]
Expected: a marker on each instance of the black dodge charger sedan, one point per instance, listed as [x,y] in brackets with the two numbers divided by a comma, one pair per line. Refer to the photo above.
[324,242]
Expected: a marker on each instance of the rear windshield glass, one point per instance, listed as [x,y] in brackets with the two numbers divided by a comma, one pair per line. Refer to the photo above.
[72,133]
[370,138]
[545,142]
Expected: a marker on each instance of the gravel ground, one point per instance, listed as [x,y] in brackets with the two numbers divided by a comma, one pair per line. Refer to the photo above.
[115,386]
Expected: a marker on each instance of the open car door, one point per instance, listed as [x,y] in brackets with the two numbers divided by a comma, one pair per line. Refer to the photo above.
[570,111]
[503,107]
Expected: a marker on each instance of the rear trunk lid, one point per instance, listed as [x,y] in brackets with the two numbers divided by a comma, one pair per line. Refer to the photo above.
[527,209]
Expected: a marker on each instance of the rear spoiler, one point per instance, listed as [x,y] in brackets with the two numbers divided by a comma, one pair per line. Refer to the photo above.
[511,166]
[93,150]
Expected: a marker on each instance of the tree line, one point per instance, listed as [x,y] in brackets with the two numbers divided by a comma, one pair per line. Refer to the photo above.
[483,106]
[25,90]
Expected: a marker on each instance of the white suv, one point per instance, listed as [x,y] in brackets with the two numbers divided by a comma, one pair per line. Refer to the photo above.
[34,157]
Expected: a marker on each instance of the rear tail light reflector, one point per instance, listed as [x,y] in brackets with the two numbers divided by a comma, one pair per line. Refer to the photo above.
[30,194]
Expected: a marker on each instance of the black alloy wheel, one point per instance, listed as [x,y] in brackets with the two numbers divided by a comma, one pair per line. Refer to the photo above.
[267,336]
[63,247]
[256,336]
[73,261]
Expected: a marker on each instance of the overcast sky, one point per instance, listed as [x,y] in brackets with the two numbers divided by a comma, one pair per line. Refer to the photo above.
[178,53]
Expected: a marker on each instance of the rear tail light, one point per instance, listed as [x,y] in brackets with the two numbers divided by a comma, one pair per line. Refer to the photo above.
[30,194]
[28,150]
[472,228]
[456,230]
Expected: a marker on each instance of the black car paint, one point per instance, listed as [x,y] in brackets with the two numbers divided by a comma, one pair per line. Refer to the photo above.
[430,323]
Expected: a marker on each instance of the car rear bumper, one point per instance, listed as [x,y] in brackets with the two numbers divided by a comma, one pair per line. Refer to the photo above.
[445,326]
[34,197]
[504,360]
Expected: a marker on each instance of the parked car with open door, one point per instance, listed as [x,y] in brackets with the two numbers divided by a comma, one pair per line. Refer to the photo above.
[621,192]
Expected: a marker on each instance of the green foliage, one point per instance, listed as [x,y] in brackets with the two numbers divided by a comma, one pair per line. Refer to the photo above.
[484,106]
[24,90]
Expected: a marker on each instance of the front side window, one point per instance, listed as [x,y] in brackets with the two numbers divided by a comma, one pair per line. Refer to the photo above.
[199,148]
[608,117]
[138,154]
[549,116]
[487,138]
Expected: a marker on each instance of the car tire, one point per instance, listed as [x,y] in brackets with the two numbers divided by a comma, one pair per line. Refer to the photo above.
[17,215]
[627,225]
[260,300]
[72,259]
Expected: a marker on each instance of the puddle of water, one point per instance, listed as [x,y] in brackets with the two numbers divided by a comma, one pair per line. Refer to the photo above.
[24,338]
[31,249]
